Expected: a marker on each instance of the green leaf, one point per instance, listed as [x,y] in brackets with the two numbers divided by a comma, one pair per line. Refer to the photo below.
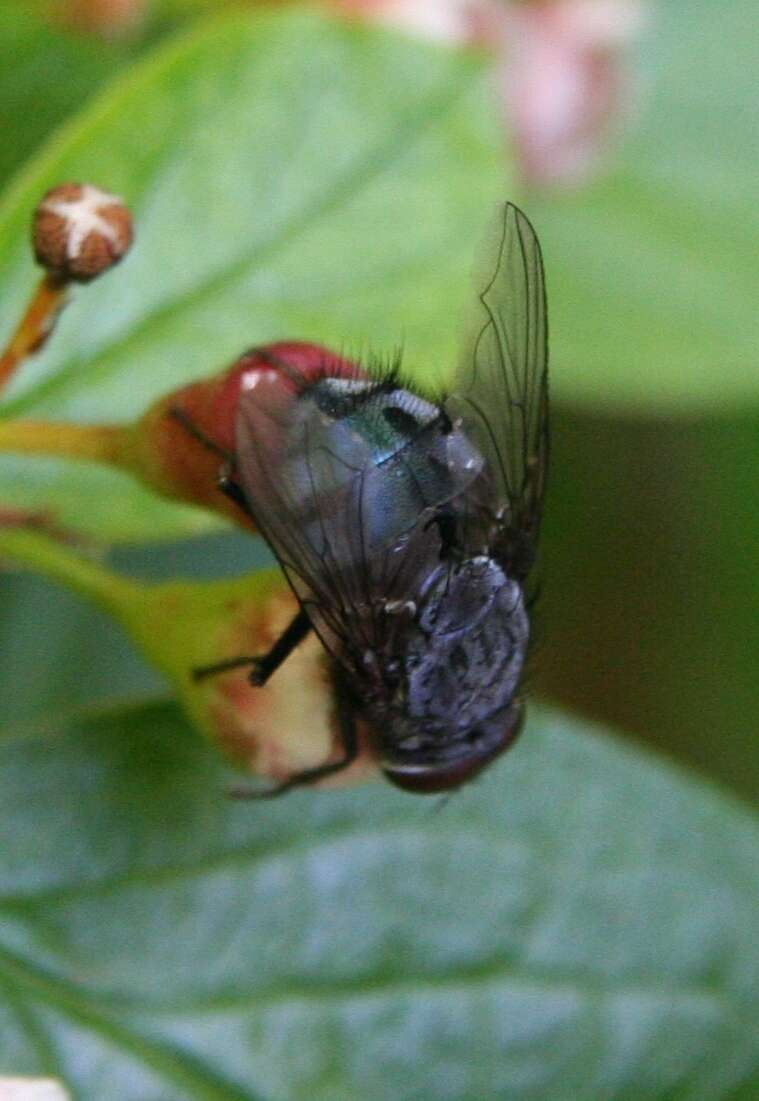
[652,273]
[47,71]
[45,74]
[581,923]
[291,177]
[47,637]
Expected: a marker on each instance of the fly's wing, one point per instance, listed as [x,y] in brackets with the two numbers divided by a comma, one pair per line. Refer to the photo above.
[316,502]
[501,388]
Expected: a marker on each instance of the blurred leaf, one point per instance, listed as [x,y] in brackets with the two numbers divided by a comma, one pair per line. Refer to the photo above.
[652,274]
[581,923]
[277,193]
[47,637]
[45,74]
[651,600]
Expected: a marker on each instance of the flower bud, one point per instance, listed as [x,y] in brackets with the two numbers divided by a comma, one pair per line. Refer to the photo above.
[175,461]
[286,727]
[80,231]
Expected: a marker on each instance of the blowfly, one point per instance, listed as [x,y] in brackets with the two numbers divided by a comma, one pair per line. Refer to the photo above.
[407,527]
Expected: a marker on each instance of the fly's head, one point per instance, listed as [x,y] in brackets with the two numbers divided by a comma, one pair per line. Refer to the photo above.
[446,702]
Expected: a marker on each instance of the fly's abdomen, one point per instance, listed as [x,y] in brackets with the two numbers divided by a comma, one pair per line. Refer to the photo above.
[465,658]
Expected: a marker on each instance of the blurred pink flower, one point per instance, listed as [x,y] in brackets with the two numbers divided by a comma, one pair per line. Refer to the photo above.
[565,82]
[108,18]
[453,21]
[562,74]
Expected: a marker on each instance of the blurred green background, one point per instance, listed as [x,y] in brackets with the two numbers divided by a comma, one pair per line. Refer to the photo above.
[581,924]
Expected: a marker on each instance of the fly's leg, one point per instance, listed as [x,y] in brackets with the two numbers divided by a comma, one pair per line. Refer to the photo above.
[198,434]
[445,523]
[226,483]
[348,744]
[232,489]
[262,665]
[268,663]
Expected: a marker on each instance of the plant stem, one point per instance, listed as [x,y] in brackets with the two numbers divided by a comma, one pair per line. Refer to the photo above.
[35,326]
[98,442]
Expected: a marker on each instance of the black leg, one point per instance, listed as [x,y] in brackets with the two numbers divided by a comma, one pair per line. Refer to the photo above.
[263,665]
[445,523]
[227,483]
[234,491]
[192,429]
[348,744]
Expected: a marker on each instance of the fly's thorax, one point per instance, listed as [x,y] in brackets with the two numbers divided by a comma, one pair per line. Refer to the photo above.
[448,701]
[387,452]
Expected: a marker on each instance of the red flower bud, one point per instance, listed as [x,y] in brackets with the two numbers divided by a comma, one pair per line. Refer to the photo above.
[186,464]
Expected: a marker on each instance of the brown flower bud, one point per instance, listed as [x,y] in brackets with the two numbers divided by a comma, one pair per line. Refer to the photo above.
[80,231]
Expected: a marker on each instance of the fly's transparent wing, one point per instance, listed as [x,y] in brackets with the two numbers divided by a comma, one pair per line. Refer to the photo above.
[327,511]
[501,386]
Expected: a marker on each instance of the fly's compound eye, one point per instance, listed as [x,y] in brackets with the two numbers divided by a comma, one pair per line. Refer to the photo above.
[430,778]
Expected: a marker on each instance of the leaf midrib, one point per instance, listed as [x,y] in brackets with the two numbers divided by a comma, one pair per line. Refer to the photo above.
[462,981]
[185,1069]
[486,973]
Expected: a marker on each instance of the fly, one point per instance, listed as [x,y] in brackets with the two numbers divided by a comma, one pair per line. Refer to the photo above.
[407,528]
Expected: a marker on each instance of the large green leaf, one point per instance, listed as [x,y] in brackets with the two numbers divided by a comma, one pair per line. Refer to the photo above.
[45,73]
[290,177]
[581,923]
[652,273]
